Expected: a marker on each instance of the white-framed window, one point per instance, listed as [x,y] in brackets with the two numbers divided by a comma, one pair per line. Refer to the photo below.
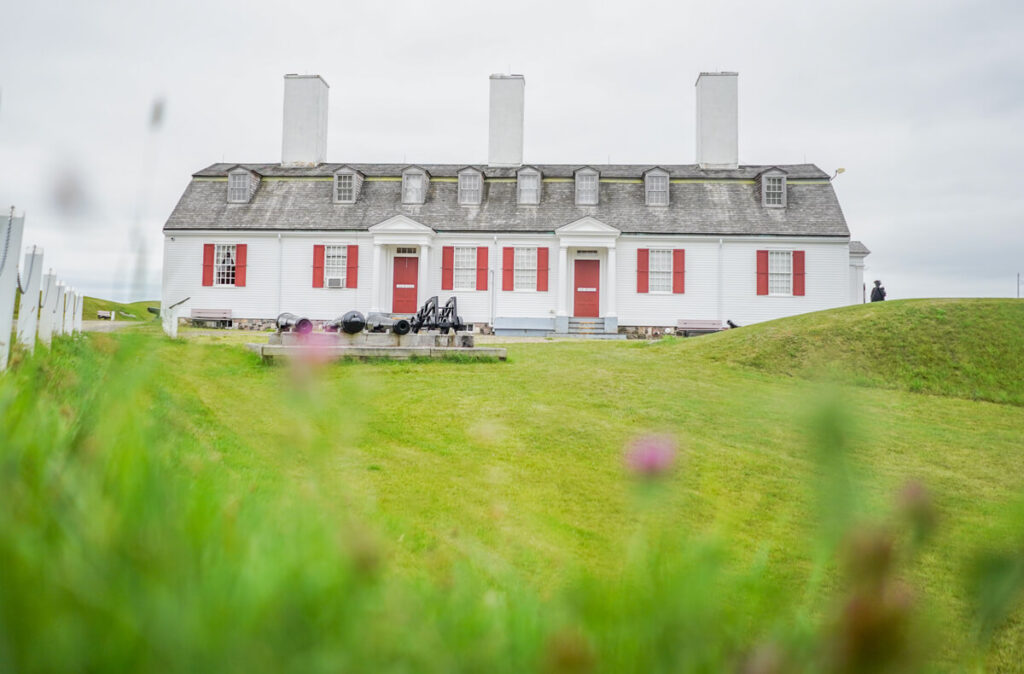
[407,250]
[224,264]
[239,187]
[465,268]
[414,188]
[346,187]
[586,188]
[780,272]
[656,186]
[528,183]
[335,266]
[470,188]
[774,190]
[659,271]
[525,269]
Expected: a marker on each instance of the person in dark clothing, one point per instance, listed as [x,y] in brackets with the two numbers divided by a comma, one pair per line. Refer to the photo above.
[878,292]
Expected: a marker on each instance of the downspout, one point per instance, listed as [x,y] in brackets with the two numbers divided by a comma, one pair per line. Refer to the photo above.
[721,319]
[280,272]
[490,280]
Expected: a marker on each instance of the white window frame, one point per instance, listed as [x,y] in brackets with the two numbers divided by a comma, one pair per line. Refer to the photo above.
[222,270]
[584,197]
[780,273]
[332,267]
[356,185]
[654,193]
[524,264]
[659,276]
[528,196]
[410,197]
[471,195]
[773,191]
[464,268]
[239,187]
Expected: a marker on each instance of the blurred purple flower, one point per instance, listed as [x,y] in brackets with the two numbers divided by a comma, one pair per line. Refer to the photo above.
[651,456]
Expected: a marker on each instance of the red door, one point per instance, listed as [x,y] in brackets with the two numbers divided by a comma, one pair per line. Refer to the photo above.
[587,288]
[404,297]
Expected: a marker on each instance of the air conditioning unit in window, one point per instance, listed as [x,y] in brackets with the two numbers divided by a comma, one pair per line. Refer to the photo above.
[334,283]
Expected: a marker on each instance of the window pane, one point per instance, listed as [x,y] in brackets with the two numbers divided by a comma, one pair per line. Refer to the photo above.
[773,191]
[780,272]
[525,269]
[224,264]
[413,184]
[346,188]
[335,262]
[238,187]
[659,276]
[586,189]
[657,190]
[469,189]
[529,188]
[465,268]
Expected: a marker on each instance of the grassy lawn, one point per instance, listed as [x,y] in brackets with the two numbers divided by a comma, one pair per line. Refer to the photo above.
[225,513]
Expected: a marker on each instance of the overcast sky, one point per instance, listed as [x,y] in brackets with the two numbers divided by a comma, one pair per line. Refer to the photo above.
[921,102]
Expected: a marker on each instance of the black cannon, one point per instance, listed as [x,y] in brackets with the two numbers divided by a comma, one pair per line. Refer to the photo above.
[287,322]
[382,323]
[432,317]
[351,323]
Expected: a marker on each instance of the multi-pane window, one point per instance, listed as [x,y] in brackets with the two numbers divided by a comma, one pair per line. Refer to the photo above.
[659,274]
[586,188]
[657,190]
[465,268]
[413,188]
[224,264]
[470,188]
[345,187]
[335,264]
[525,277]
[780,272]
[774,191]
[529,188]
[238,187]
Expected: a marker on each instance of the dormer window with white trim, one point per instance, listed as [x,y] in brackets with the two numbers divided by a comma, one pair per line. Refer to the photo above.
[656,188]
[773,191]
[587,187]
[471,188]
[414,187]
[528,187]
[241,186]
[347,184]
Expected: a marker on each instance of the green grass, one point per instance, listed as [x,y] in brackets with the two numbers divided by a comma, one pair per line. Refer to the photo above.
[138,309]
[180,506]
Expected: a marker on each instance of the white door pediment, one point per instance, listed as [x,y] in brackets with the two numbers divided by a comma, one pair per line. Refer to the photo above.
[401,224]
[587,226]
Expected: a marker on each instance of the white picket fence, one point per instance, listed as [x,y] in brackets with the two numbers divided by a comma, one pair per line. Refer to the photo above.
[48,307]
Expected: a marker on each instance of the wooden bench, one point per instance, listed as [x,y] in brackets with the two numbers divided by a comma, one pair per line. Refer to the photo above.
[105,315]
[222,317]
[689,327]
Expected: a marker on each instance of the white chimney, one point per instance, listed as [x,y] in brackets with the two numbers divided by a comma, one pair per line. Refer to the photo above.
[717,120]
[505,140]
[304,140]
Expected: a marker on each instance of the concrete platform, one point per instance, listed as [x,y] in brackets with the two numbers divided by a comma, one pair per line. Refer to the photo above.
[332,352]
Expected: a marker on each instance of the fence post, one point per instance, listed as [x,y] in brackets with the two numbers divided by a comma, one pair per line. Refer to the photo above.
[47,306]
[69,310]
[10,245]
[58,310]
[78,313]
[28,309]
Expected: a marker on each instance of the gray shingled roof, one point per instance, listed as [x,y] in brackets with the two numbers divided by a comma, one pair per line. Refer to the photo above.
[727,208]
[858,248]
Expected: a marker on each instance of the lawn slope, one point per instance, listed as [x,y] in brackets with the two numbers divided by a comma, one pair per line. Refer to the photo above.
[124,311]
[966,348]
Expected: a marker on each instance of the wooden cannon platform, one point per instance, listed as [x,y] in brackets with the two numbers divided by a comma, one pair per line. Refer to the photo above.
[332,346]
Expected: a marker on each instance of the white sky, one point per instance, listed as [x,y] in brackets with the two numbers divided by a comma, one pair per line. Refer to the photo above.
[921,102]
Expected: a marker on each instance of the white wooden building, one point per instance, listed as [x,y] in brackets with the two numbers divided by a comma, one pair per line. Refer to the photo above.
[526,248]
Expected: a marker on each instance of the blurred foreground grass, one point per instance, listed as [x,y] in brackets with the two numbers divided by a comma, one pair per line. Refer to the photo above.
[180,507]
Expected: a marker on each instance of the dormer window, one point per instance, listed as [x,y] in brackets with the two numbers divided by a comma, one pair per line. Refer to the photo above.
[346,186]
[586,187]
[656,188]
[773,191]
[414,187]
[241,185]
[528,183]
[470,188]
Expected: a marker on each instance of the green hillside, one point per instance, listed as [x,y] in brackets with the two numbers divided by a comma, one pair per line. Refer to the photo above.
[136,311]
[968,348]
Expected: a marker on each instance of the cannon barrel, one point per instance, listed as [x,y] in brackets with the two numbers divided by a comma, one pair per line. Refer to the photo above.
[351,323]
[380,322]
[287,322]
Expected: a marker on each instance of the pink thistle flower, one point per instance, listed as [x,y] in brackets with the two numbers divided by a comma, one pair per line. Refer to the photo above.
[651,456]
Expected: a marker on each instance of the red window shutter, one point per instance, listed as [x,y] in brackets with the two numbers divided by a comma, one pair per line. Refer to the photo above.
[241,258]
[542,269]
[642,269]
[798,272]
[352,267]
[207,264]
[318,266]
[678,270]
[508,262]
[481,268]
[447,268]
[762,272]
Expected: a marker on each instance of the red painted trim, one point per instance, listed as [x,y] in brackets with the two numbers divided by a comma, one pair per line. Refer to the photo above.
[542,269]
[643,264]
[481,268]
[679,271]
[447,267]
[352,267]
[207,264]
[241,260]
[508,261]
[799,278]
[318,266]
[762,272]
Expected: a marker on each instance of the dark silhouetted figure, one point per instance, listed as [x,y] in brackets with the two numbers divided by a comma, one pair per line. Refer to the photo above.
[878,292]
[731,324]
